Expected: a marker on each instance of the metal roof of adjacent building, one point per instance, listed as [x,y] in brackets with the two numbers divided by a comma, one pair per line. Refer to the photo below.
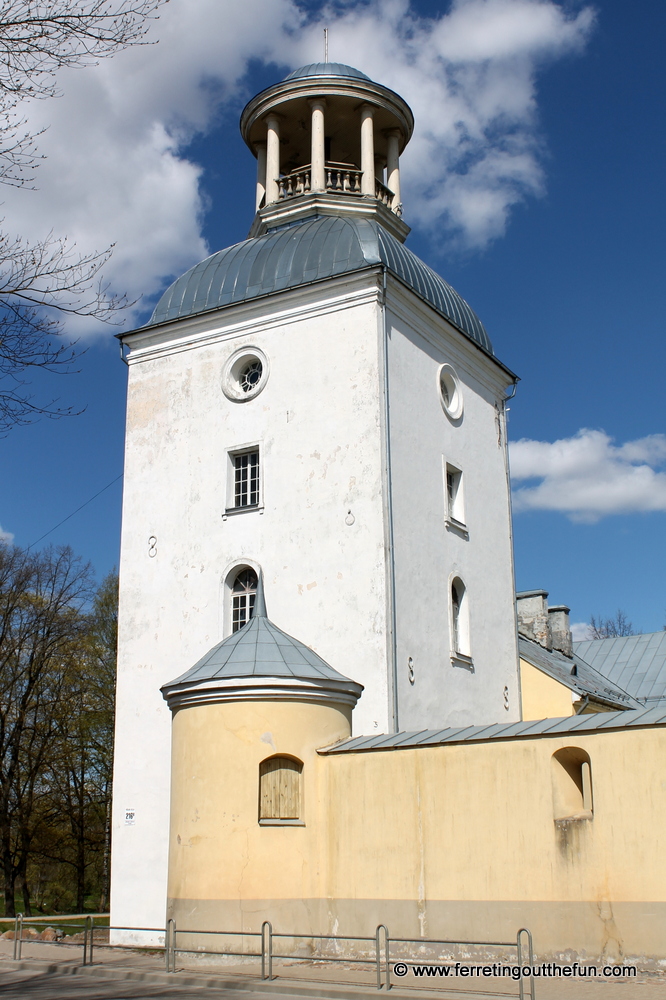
[326,69]
[596,722]
[308,251]
[575,674]
[636,663]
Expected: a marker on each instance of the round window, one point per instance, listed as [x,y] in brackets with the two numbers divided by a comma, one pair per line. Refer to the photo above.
[450,392]
[245,374]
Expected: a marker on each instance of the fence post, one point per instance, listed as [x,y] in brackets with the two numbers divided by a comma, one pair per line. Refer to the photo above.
[382,927]
[267,953]
[530,959]
[88,928]
[18,935]
[170,945]
[166,946]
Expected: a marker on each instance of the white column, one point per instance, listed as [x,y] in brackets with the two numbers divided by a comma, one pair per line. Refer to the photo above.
[272,159]
[393,166]
[318,149]
[261,173]
[367,151]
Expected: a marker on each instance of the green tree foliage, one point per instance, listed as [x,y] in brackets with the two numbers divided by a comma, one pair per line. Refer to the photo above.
[57,672]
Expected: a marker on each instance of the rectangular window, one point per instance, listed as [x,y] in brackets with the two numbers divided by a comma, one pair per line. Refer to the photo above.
[454,494]
[246,479]
[241,611]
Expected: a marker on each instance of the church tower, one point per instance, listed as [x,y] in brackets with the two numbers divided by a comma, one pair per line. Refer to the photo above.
[316,406]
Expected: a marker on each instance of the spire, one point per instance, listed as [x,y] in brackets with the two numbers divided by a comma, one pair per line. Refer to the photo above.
[259,610]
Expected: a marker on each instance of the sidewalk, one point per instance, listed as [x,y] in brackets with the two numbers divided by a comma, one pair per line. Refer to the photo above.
[308,978]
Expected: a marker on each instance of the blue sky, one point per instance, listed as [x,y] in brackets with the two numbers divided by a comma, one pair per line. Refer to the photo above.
[548,219]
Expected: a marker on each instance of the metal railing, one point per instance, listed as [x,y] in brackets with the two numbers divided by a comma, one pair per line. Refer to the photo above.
[378,956]
[382,945]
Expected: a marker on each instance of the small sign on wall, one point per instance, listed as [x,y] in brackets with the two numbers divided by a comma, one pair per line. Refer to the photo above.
[130,817]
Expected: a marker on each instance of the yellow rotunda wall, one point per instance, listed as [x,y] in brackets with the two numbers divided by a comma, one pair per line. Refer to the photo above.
[456,841]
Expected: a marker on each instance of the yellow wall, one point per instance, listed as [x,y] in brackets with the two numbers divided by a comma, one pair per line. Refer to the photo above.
[542,697]
[449,841]
[217,848]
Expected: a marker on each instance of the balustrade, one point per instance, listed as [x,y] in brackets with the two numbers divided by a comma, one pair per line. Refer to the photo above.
[383,194]
[341,178]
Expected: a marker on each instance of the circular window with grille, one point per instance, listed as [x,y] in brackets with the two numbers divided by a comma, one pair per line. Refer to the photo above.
[245,374]
[450,392]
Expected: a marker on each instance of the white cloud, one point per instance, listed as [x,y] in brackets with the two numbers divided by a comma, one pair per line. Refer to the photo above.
[6,537]
[580,631]
[587,477]
[117,169]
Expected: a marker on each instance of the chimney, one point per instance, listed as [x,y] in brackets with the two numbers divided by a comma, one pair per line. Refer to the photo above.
[533,617]
[560,633]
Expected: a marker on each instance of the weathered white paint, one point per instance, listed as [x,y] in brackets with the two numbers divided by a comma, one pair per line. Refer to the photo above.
[429,552]
[323,532]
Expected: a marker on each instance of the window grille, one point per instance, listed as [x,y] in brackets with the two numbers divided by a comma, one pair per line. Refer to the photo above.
[243,594]
[280,789]
[246,479]
[250,376]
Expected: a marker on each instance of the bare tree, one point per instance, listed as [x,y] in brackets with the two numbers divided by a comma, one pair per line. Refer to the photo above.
[606,628]
[42,628]
[41,283]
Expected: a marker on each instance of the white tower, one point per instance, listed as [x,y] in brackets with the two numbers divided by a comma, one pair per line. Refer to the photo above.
[316,404]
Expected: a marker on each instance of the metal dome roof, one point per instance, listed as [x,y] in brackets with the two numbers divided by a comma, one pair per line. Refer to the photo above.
[326,69]
[260,660]
[308,251]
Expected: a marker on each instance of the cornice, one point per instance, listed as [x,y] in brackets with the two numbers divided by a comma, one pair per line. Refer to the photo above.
[262,688]
[356,288]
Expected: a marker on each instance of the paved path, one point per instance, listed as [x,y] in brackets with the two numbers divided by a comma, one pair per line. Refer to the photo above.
[56,973]
[30,985]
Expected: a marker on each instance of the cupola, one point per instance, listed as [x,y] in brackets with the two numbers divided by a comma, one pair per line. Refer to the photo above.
[328,141]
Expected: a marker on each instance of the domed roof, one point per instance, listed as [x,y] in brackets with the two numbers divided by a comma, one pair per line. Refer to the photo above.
[326,69]
[308,251]
[260,661]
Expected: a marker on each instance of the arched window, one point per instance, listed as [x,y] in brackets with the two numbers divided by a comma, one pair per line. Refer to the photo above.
[243,593]
[459,620]
[280,792]
[572,784]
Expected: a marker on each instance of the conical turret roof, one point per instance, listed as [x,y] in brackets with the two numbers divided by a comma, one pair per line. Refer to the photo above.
[260,661]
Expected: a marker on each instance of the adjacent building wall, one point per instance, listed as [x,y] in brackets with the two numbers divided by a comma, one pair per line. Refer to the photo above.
[542,696]
[455,841]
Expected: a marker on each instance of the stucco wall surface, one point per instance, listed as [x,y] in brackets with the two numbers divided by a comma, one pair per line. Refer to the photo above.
[543,697]
[318,536]
[429,552]
[455,841]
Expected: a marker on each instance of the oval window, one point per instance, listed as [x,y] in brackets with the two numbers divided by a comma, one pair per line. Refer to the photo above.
[450,392]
